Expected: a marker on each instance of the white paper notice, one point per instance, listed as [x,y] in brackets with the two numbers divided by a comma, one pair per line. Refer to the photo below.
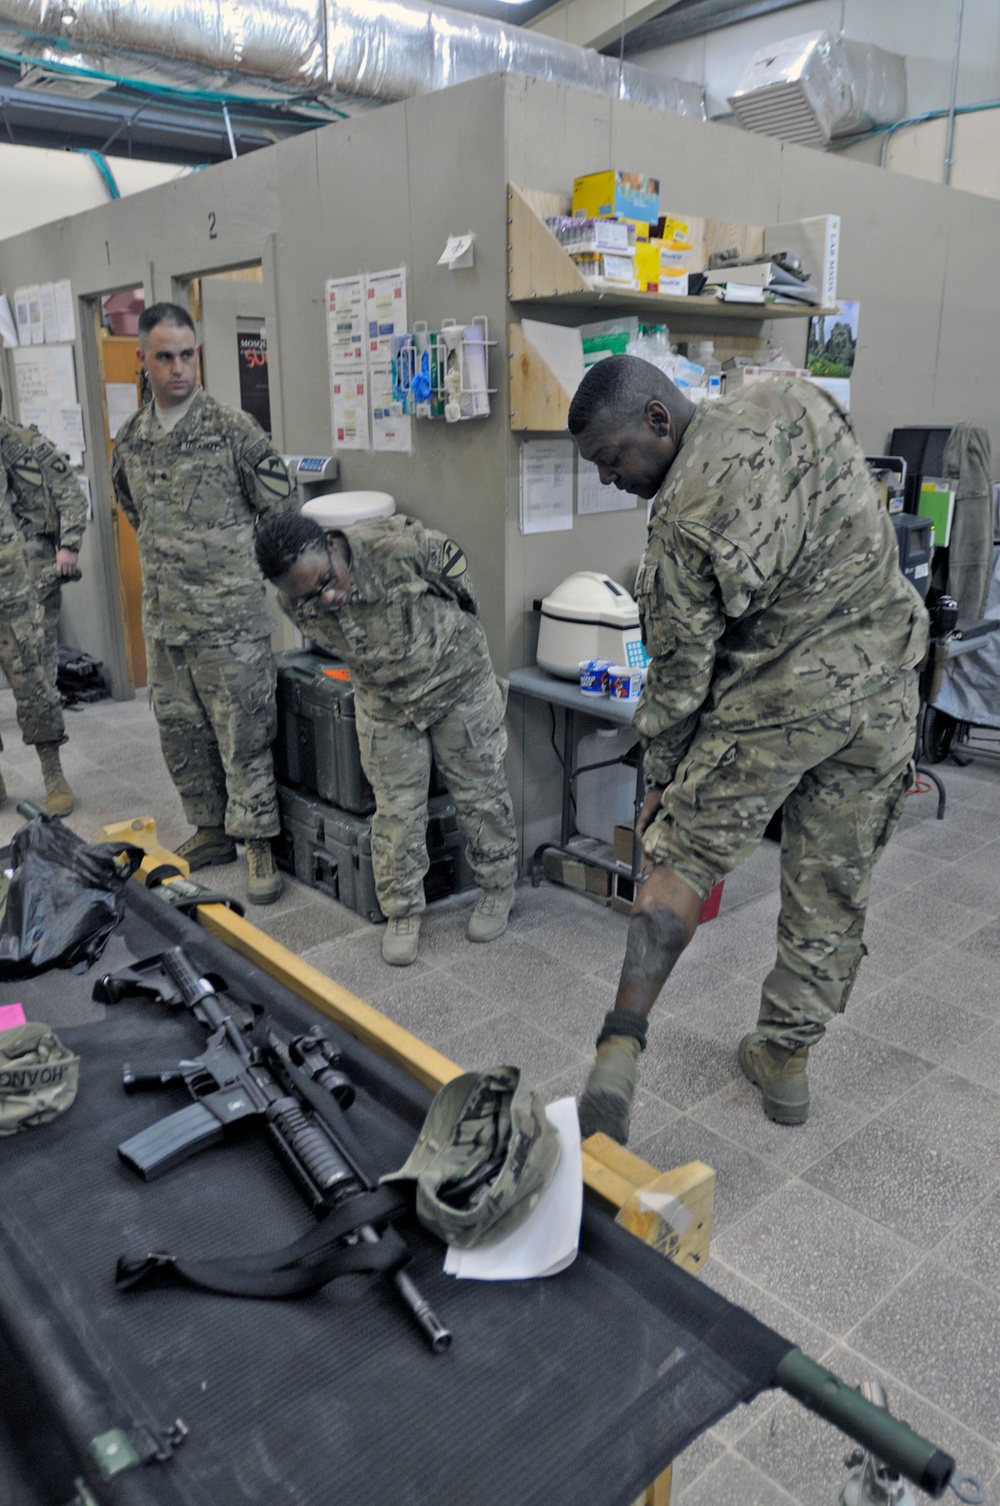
[458,251]
[385,303]
[392,429]
[8,328]
[546,485]
[45,378]
[22,317]
[65,315]
[50,318]
[122,399]
[346,329]
[591,496]
[349,393]
[35,314]
[548,1239]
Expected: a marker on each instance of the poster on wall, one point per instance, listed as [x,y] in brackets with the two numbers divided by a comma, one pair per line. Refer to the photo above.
[255,395]
[349,391]
[385,300]
[392,429]
[45,380]
[346,326]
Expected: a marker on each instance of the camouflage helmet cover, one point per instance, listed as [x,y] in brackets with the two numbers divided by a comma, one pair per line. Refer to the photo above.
[38,1077]
[484,1155]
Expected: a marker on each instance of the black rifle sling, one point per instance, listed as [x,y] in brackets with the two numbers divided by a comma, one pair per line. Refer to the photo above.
[303,1266]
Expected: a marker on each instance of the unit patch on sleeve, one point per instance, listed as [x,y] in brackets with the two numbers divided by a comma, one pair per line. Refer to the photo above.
[272,473]
[453,561]
[28,471]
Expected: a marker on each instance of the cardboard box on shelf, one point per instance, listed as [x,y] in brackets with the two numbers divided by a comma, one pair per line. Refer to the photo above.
[617,195]
[623,886]
[576,874]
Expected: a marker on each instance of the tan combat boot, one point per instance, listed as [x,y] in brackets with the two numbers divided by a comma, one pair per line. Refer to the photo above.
[399,943]
[780,1074]
[606,1104]
[489,919]
[264,884]
[209,844]
[58,795]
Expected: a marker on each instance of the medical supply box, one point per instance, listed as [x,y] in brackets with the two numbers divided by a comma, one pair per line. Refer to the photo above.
[331,850]
[614,195]
[589,616]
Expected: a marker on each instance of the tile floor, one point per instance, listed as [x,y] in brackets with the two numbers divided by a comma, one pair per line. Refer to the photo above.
[869,1236]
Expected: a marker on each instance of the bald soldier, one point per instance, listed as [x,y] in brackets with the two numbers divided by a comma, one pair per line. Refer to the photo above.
[193,477]
[784,643]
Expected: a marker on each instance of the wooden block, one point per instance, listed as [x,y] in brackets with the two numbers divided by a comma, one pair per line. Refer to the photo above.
[672,1210]
[538,265]
[537,399]
[142,833]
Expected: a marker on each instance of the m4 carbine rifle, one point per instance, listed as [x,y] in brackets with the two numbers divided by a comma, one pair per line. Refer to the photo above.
[295,1086]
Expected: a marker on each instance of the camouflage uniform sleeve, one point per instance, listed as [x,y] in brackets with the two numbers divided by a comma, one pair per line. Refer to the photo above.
[443,565]
[686,588]
[64,491]
[263,474]
[119,482]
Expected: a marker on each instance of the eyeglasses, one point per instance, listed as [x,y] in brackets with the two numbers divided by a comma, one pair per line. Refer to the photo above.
[312,597]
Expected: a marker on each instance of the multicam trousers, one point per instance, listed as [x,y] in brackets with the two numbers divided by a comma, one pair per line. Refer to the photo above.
[841,781]
[215,708]
[22,657]
[468,744]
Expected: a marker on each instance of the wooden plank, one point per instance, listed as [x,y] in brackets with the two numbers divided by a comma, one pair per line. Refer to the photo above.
[361,1020]
[538,400]
[538,267]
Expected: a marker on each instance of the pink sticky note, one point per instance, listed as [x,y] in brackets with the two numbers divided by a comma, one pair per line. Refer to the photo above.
[10,1016]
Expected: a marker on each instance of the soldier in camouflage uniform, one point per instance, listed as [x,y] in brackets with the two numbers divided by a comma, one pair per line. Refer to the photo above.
[784,644]
[22,656]
[395,602]
[193,477]
[52,511]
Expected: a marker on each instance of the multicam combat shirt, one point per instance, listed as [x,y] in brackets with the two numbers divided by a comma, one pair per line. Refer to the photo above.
[409,630]
[194,495]
[770,589]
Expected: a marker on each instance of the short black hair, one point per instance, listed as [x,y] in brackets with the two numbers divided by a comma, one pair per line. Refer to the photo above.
[620,387]
[283,538]
[164,313]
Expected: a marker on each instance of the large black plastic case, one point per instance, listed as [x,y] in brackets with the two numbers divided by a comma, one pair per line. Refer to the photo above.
[331,850]
[317,744]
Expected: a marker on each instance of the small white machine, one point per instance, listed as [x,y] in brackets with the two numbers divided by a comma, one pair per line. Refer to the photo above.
[312,474]
[589,616]
[343,509]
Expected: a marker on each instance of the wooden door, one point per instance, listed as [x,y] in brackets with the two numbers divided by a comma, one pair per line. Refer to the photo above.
[117,364]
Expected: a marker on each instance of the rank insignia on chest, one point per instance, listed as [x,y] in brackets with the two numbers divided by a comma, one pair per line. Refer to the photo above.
[272,474]
[453,561]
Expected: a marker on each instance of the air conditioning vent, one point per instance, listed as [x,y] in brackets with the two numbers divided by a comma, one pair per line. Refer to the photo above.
[41,80]
[811,88]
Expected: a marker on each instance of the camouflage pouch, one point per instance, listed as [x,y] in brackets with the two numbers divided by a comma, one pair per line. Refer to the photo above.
[38,1077]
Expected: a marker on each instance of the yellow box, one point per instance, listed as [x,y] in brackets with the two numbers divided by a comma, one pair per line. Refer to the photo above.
[647,266]
[616,195]
[675,232]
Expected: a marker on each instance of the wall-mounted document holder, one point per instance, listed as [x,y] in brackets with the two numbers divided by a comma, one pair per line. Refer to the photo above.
[444,373]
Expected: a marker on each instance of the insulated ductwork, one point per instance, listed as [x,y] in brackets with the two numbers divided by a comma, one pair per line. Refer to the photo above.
[365,51]
[811,88]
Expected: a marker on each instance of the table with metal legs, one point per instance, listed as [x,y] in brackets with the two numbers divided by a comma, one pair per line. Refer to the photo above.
[539,685]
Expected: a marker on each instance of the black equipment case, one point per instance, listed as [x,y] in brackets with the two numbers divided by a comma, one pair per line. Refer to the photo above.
[331,850]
